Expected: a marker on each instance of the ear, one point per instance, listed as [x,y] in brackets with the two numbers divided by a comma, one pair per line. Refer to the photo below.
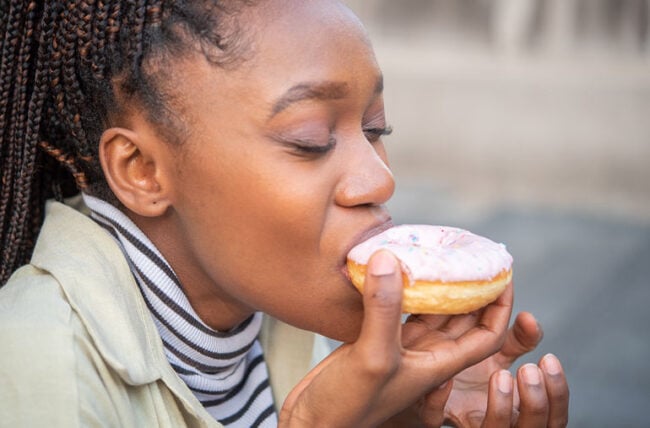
[133,169]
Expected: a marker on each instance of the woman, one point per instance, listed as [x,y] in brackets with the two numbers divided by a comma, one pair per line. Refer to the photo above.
[230,154]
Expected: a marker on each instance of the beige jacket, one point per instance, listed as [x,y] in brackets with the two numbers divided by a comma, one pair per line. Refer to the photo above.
[78,346]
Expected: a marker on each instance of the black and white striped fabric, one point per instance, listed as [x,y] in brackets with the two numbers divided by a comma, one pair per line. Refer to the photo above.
[225,370]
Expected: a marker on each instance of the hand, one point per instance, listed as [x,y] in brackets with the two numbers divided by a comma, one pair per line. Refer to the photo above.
[485,394]
[376,377]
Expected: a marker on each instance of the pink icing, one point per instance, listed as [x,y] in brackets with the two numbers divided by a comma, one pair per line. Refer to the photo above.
[438,253]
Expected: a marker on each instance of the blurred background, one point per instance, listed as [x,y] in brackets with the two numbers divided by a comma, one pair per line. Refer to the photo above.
[528,121]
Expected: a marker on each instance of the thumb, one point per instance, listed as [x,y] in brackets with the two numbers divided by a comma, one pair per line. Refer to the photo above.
[382,301]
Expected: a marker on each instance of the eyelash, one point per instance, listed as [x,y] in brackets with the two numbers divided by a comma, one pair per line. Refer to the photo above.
[315,149]
[372,135]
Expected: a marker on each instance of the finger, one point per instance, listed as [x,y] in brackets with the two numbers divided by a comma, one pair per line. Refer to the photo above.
[488,335]
[446,358]
[418,326]
[379,340]
[522,337]
[460,324]
[431,322]
[432,412]
[533,407]
[557,390]
[499,404]
[456,326]
[450,325]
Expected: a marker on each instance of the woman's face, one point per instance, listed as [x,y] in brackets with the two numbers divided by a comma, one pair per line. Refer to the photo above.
[282,171]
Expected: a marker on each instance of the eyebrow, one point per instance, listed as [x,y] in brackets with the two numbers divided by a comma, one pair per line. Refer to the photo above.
[326,90]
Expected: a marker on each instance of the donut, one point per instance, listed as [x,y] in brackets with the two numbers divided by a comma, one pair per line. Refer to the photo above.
[445,270]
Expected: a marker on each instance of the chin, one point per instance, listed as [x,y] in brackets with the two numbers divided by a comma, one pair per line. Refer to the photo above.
[345,327]
[336,314]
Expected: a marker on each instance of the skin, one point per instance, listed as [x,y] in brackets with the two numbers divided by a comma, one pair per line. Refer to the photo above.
[281,171]
[521,401]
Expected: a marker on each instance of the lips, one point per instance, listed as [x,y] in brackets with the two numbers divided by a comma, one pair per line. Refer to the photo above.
[362,236]
[369,233]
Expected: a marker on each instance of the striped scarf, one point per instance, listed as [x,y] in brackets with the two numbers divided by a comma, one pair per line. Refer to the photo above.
[225,370]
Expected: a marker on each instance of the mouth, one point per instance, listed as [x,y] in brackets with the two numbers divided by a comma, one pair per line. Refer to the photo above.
[366,234]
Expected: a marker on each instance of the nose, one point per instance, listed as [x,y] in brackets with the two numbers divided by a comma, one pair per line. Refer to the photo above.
[366,178]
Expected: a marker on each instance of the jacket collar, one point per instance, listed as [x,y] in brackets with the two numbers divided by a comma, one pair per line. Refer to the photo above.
[99,286]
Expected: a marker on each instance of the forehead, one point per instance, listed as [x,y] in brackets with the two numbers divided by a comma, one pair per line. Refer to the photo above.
[293,21]
[295,41]
[289,43]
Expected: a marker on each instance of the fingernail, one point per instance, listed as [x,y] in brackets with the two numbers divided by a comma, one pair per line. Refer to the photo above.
[551,365]
[443,385]
[504,382]
[383,264]
[531,374]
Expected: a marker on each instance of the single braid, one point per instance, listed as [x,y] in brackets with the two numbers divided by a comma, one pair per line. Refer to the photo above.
[100,23]
[11,27]
[23,242]
[34,120]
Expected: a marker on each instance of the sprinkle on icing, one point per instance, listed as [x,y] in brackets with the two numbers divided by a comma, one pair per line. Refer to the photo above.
[437,253]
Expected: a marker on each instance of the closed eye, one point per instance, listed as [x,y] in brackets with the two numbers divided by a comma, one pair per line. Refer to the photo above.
[310,148]
[374,134]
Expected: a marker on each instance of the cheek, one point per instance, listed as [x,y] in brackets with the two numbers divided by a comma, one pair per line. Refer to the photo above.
[265,232]
[261,216]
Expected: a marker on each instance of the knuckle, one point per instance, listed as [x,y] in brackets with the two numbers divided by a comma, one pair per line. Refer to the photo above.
[502,414]
[559,422]
[475,417]
[537,408]
[385,299]
[500,337]
[379,366]
[494,338]
[561,395]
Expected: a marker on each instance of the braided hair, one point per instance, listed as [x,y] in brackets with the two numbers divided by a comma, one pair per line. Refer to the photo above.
[68,69]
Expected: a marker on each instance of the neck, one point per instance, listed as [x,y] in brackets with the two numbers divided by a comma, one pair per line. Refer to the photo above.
[216,309]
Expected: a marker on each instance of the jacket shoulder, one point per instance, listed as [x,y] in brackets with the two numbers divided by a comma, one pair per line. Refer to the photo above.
[37,361]
[32,297]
